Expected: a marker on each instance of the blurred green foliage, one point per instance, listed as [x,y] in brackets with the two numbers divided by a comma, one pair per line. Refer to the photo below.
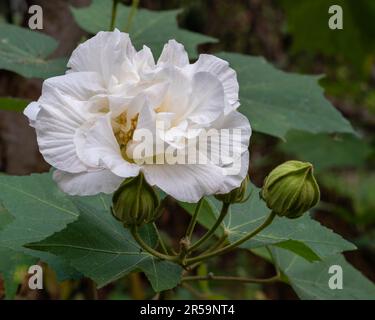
[348,54]
[359,188]
[307,21]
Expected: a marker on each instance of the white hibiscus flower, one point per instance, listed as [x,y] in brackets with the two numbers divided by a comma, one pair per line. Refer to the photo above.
[87,120]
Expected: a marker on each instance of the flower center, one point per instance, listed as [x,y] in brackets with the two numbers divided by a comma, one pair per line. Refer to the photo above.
[123,129]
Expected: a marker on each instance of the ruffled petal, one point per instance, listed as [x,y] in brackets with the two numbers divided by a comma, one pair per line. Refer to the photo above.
[64,109]
[144,61]
[190,182]
[81,86]
[31,112]
[221,69]
[185,182]
[200,99]
[235,132]
[105,53]
[173,54]
[206,100]
[87,183]
[56,129]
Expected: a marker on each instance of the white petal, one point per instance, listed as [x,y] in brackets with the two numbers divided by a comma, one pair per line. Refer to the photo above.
[235,174]
[31,111]
[200,99]
[102,150]
[183,182]
[87,183]
[207,98]
[173,54]
[221,69]
[189,183]
[144,61]
[104,53]
[136,97]
[56,128]
[235,132]
[64,109]
[81,86]
[177,97]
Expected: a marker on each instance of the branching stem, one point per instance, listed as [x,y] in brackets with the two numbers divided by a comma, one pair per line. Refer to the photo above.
[211,232]
[235,244]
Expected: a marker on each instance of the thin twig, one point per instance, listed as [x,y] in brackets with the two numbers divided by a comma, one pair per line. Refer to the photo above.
[230,278]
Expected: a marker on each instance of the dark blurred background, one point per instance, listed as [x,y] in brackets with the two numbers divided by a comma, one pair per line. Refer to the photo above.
[284,32]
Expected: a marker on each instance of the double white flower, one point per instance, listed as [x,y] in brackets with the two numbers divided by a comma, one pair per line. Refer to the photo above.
[85,120]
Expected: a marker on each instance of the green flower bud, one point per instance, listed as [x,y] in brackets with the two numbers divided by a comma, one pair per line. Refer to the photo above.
[291,189]
[237,195]
[135,202]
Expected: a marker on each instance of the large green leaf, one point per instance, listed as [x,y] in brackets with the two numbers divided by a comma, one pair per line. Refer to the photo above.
[344,150]
[39,208]
[310,280]
[13,104]
[99,247]
[151,28]
[5,217]
[26,52]
[276,102]
[32,209]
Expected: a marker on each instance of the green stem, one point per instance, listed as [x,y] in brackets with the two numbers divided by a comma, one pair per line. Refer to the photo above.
[132,13]
[147,248]
[160,240]
[114,14]
[232,279]
[210,233]
[193,220]
[215,246]
[218,243]
[235,244]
